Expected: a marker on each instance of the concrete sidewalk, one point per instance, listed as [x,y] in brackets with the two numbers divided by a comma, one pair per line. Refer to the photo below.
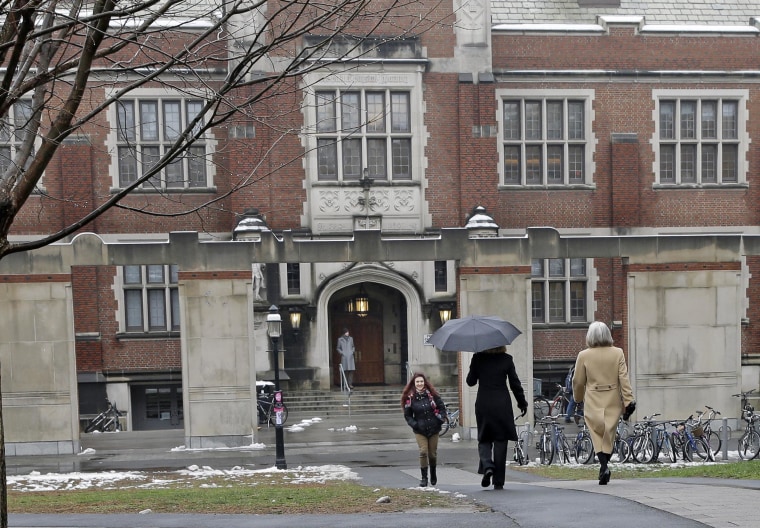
[381,450]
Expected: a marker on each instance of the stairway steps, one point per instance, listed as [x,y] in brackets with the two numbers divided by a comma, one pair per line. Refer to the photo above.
[369,401]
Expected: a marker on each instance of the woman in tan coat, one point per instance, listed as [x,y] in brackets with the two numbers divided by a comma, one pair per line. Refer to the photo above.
[601,382]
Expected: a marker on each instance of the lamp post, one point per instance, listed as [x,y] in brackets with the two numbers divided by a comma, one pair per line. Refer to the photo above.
[274,331]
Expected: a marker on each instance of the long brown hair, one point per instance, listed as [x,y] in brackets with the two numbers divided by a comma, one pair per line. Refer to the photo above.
[409,389]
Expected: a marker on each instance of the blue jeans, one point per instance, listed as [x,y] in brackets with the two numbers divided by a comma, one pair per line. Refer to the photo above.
[570,409]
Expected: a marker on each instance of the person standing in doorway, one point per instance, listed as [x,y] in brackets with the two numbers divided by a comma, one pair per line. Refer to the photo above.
[346,350]
[491,370]
[601,382]
[425,412]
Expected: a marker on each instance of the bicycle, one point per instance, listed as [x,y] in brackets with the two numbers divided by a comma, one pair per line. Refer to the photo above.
[552,442]
[520,454]
[107,421]
[621,448]
[687,439]
[705,418]
[583,447]
[451,422]
[541,407]
[267,414]
[559,403]
[749,443]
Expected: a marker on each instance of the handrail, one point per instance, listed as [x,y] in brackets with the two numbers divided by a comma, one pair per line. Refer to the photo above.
[344,386]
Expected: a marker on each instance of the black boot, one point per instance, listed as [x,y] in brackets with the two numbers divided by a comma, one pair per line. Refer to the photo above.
[433,476]
[423,480]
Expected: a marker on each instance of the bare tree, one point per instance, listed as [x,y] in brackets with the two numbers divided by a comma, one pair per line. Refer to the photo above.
[65,63]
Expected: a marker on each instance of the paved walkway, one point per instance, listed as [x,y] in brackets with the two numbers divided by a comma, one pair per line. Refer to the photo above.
[382,452]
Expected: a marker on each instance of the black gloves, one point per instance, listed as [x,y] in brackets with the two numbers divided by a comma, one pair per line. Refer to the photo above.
[629,410]
[523,408]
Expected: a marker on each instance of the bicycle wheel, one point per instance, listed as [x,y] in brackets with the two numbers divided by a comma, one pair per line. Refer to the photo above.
[273,415]
[555,407]
[621,450]
[666,448]
[643,449]
[95,423]
[715,442]
[540,408]
[519,454]
[584,449]
[749,445]
[545,449]
[562,450]
[702,448]
[672,450]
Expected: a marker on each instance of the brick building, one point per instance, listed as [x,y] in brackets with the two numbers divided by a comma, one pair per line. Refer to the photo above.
[600,119]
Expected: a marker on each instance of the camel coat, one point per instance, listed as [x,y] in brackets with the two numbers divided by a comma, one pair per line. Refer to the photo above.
[601,382]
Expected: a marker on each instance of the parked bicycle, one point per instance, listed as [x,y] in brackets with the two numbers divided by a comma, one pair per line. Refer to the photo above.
[521,446]
[583,447]
[451,422]
[267,414]
[749,443]
[107,421]
[704,419]
[552,444]
[621,448]
[688,440]
[559,403]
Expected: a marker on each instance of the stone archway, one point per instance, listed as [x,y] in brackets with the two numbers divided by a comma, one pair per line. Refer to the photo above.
[366,275]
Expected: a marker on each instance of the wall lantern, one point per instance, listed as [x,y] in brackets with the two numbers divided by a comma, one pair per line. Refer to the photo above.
[445,311]
[296,313]
[361,302]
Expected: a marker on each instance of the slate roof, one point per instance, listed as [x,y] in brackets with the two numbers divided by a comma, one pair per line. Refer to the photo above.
[680,12]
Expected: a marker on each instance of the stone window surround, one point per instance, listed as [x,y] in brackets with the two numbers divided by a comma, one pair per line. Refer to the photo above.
[586,95]
[112,143]
[682,94]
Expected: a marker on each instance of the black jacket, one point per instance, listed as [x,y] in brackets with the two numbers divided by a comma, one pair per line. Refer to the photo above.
[493,405]
[421,416]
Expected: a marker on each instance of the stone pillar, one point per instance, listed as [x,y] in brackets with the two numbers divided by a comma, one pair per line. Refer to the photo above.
[504,292]
[218,367]
[37,356]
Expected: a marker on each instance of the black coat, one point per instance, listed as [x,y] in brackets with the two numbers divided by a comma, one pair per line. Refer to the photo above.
[422,417]
[493,405]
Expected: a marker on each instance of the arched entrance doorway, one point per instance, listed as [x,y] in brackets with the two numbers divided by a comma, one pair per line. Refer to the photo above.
[404,328]
[380,333]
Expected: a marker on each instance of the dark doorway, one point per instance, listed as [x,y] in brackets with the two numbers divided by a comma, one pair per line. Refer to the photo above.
[157,406]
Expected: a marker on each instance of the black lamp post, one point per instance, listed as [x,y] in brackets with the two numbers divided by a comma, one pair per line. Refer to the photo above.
[274,331]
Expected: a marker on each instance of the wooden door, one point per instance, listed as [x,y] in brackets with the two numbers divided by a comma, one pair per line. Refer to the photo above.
[368,342]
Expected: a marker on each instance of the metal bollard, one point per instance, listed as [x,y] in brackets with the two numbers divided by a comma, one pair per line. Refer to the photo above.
[724,439]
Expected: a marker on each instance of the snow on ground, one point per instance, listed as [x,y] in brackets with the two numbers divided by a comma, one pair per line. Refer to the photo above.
[36,481]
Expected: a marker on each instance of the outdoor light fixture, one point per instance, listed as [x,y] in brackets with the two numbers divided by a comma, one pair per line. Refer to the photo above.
[445,312]
[274,331]
[295,318]
[361,302]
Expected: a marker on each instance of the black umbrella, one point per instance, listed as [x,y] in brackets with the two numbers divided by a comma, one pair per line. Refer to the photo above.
[474,333]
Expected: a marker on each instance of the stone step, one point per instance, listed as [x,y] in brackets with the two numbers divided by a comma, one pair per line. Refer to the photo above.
[370,400]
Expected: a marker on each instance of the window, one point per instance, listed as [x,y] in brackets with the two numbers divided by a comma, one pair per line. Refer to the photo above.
[545,141]
[151,298]
[559,290]
[13,130]
[293,272]
[146,130]
[358,129]
[441,276]
[699,140]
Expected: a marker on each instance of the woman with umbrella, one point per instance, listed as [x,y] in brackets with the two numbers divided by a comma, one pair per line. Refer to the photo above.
[491,370]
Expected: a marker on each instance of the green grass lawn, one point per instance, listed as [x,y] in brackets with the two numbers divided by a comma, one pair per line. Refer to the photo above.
[253,494]
[731,470]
